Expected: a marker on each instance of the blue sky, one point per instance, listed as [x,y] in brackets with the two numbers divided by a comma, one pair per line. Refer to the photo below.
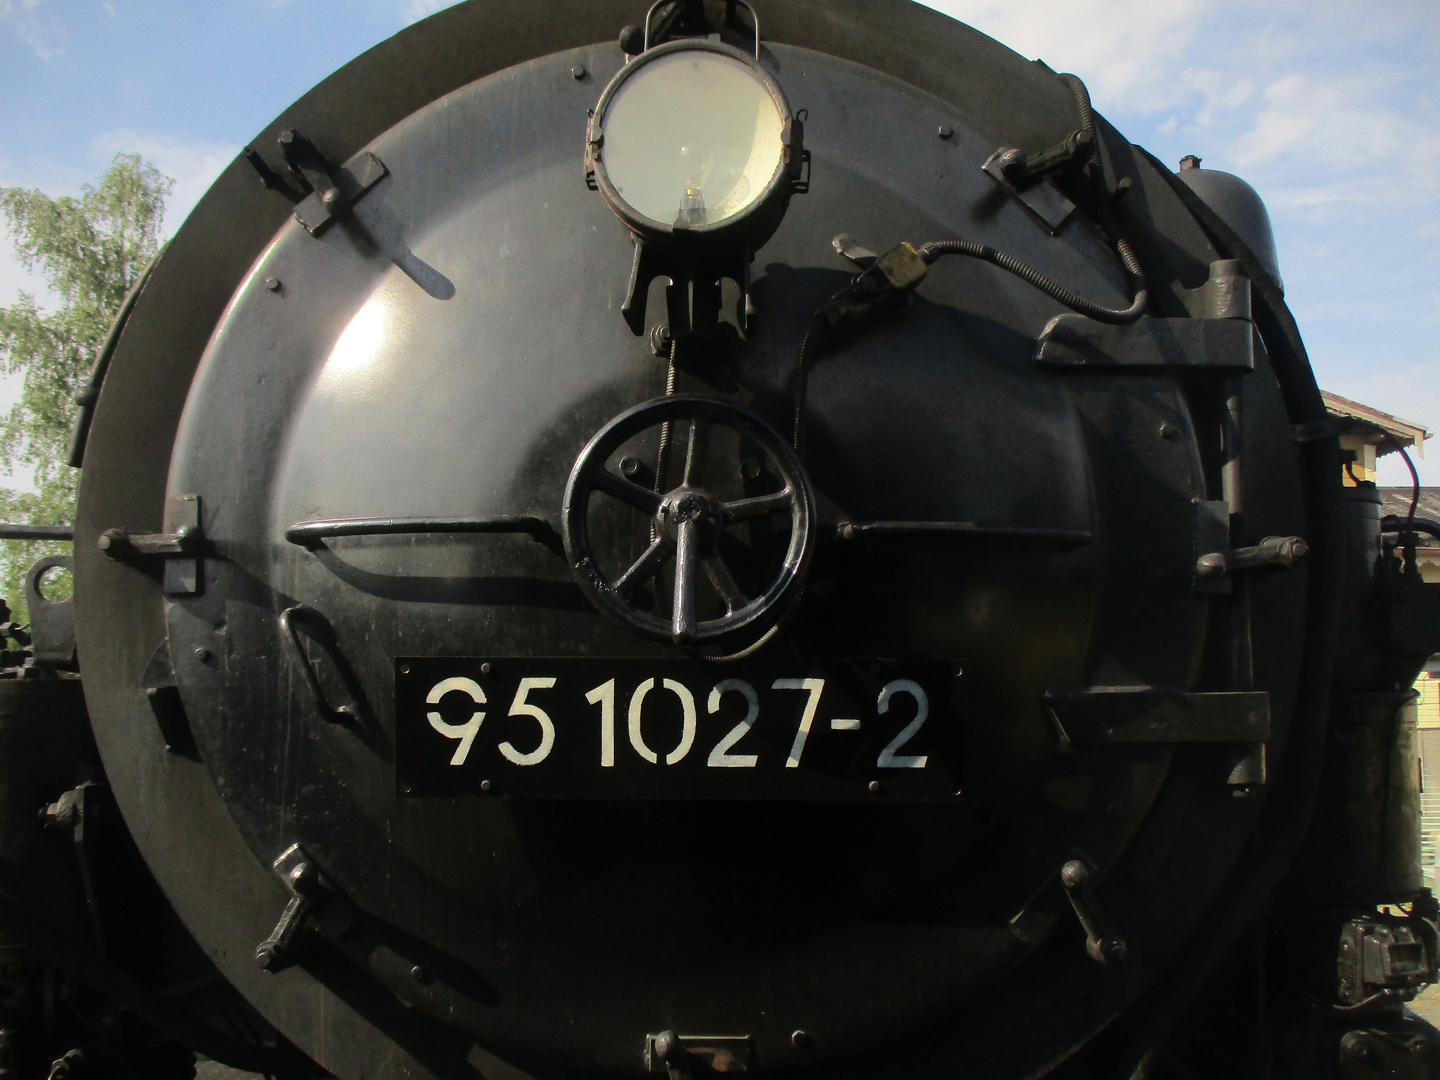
[1331,108]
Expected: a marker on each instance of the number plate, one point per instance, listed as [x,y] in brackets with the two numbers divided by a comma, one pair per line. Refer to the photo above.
[678,729]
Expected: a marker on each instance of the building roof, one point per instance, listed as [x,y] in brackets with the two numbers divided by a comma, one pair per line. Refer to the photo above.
[1396,501]
[1405,432]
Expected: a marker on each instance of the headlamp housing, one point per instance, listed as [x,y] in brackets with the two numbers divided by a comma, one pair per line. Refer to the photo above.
[693,145]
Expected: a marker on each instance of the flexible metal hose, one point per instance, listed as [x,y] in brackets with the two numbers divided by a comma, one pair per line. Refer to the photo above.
[1051,288]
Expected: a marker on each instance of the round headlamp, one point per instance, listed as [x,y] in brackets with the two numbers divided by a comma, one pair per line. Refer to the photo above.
[693,142]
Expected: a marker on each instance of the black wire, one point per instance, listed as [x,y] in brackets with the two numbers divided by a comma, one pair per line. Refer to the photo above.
[1414,480]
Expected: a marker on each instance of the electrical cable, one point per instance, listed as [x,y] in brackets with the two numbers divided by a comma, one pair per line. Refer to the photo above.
[1051,288]
[932,252]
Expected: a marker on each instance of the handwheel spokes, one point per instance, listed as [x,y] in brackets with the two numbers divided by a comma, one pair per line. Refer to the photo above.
[720,577]
[695,452]
[781,502]
[687,543]
[627,491]
[644,567]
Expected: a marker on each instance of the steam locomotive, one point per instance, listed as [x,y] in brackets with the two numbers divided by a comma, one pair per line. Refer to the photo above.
[726,539]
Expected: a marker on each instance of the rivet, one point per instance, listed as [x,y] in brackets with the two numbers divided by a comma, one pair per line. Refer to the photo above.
[485,668]
[421,975]
[1169,431]
[201,653]
[750,469]
[874,787]
[404,669]
[629,466]
[484,785]
[273,284]
[577,72]
[801,1040]
[945,131]
[405,789]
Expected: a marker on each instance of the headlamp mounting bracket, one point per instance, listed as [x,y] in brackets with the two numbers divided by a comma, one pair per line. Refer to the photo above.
[696,259]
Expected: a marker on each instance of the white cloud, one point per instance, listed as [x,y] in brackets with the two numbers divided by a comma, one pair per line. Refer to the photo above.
[191,163]
[415,10]
[32,27]
[1120,48]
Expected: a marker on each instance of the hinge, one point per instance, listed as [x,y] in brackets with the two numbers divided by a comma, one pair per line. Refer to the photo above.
[180,545]
[331,191]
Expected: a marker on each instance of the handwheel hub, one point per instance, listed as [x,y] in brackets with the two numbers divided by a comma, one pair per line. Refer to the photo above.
[687,505]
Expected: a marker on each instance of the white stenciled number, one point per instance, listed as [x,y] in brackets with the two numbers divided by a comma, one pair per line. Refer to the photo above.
[687,732]
[465,732]
[521,707]
[720,757]
[889,758]
[604,696]
[813,687]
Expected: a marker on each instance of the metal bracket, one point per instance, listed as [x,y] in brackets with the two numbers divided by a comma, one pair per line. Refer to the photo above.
[303,880]
[852,249]
[1274,551]
[52,622]
[164,696]
[331,191]
[669,1054]
[1043,201]
[1100,944]
[1226,295]
[1204,346]
[1138,715]
[181,545]
[71,811]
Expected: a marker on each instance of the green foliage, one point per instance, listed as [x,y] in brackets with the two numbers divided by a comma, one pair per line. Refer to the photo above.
[91,250]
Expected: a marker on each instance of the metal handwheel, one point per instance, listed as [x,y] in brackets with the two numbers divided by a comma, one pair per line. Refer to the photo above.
[689,520]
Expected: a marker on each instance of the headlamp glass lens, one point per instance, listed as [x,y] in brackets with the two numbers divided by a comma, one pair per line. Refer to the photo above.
[693,138]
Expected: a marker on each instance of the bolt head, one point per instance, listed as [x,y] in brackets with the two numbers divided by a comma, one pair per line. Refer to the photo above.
[1358,1047]
[750,469]
[265,958]
[1211,565]
[629,466]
